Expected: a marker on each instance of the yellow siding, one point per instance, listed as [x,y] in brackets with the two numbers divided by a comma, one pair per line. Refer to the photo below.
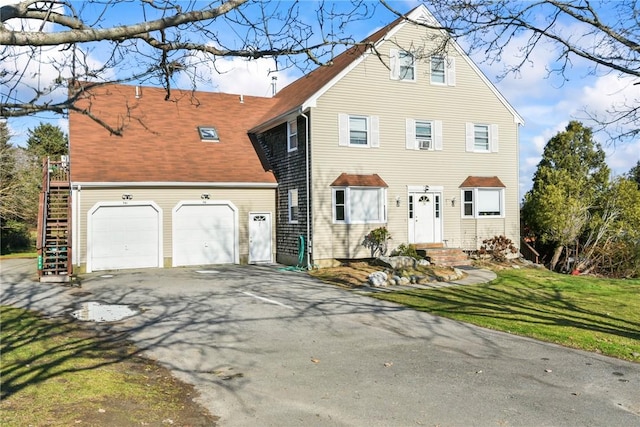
[368,90]
[246,200]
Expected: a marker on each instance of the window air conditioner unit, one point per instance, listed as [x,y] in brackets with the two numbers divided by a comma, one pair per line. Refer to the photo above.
[424,144]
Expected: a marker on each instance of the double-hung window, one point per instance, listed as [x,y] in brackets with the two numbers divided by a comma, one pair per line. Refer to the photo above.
[402,65]
[292,135]
[482,138]
[359,205]
[443,70]
[424,135]
[437,70]
[358,131]
[407,70]
[293,205]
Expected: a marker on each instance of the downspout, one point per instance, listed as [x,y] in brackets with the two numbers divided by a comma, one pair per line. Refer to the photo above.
[306,139]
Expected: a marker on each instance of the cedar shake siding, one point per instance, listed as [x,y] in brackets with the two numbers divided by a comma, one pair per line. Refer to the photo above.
[289,168]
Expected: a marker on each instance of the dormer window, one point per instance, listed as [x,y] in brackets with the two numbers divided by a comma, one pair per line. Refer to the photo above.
[208,133]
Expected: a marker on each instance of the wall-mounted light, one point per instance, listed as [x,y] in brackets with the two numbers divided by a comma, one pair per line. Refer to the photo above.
[426,188]
[453,202]
[127,197]
[204,196]
[398,201]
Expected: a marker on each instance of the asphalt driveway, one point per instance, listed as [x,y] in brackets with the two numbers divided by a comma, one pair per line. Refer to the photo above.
[267,347]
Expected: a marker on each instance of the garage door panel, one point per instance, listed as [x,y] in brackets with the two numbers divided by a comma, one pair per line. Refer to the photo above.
[204,234]
[125,237]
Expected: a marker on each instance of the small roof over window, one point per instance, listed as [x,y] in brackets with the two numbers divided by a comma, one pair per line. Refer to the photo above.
[351,180]
[482,181]
[208,133]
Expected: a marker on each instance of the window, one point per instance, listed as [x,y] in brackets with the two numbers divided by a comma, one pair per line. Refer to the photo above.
[482,202]
[339,212]
[482,138]
[208,133]
[358,131]
[407,66]
[359,205]
[410,207]
[424,134]
[293,205]
[402,65]
[292,135]
[358,134]
[443,70]
[437,69]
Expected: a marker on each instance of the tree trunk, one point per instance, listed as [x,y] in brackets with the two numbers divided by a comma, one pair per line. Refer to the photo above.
[556,257]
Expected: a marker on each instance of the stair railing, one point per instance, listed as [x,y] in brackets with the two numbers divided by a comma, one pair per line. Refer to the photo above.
[42,214]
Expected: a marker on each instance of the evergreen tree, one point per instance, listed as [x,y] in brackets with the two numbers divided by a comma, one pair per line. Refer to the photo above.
[47,140]
[570,178]
[634,174]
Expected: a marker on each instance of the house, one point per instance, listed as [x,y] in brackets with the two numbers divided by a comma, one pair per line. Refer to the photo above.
[400,131]
[404,131]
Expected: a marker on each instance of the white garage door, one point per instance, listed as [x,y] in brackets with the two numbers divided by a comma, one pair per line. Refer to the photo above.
[124,237]
[204,234]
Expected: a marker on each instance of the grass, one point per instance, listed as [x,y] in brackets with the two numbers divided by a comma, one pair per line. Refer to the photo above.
[19,255]
[593,314]
[58,373]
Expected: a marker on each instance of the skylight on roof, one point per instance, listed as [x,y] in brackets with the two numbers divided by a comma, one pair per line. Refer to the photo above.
[208,133]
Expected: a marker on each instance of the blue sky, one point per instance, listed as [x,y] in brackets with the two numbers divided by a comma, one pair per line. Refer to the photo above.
[546,103]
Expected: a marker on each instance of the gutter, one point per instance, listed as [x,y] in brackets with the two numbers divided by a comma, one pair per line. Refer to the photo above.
[307,154]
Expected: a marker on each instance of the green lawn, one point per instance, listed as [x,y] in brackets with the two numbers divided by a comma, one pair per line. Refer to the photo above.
[55,372]
[592,314]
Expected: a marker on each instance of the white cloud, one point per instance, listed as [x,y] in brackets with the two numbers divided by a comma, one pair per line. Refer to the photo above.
[234,75]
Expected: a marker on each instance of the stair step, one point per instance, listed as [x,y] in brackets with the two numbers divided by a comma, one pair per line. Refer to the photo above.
[446,256]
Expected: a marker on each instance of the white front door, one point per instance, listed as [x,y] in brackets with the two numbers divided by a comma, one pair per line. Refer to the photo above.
[259,237]
[425,217]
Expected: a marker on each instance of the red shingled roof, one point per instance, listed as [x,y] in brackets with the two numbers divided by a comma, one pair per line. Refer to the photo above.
[351,180]
[160,142]
[482,181]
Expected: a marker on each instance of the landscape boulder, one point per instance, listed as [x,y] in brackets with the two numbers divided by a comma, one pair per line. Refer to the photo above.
[397,262]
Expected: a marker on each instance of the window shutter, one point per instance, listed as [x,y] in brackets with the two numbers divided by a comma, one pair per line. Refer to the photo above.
[375,132]
[437,133]
[410,142]
[343,129]
[451,71]
[494,139]
[394,64]
[470,137]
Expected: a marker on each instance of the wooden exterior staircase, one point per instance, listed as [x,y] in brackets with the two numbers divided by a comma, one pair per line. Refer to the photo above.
[54,223]
[437,254]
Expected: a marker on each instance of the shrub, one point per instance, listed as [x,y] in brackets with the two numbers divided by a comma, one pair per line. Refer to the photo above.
[14,237]
[376,241]
[406,250]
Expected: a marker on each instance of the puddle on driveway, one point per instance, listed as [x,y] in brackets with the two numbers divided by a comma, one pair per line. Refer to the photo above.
[94,311]
[207,271]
